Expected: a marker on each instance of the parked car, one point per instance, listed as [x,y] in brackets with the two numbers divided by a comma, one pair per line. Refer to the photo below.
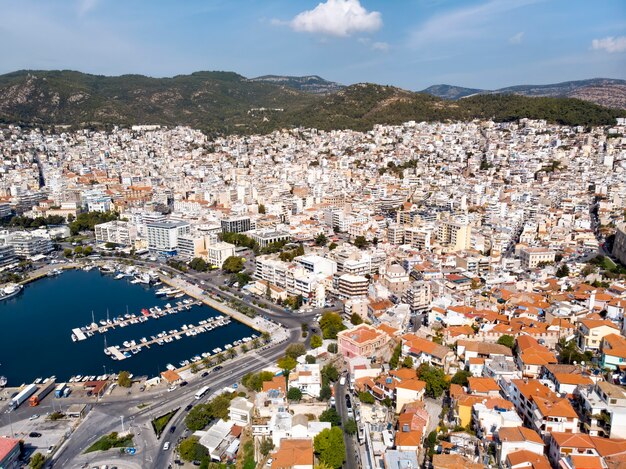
[34,434]
[50,449]
[172,428]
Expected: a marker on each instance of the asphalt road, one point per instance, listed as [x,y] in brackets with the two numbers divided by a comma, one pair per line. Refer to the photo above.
[105,417]
[106,414]
[351,445]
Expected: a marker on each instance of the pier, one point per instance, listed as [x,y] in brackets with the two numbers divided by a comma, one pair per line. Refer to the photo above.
[128,319]
[129,348]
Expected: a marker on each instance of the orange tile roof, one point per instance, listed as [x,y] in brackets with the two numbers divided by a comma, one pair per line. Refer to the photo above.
[278,383]
[519,434]
[293,452]
[410,438]
[482,385]
[527,459]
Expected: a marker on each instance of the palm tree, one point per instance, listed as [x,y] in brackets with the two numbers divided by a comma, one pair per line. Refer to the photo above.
[266,336]
[232,353]
[194,368]
[244,348]
[219,357]
[256,343]
[206,361]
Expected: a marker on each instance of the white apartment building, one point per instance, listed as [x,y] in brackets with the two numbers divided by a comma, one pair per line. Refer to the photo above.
[454,235]
[531,257]
[307,378]
[317,264]
[217,253]
[418,296]
[163,236]
[117,232]
[419,238]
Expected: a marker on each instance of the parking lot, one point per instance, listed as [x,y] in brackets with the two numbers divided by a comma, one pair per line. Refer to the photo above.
[51,433]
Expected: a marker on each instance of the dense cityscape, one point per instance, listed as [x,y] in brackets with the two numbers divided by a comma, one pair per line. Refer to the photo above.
[447,294]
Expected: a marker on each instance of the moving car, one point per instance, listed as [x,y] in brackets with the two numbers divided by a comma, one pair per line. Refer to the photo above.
[166,446]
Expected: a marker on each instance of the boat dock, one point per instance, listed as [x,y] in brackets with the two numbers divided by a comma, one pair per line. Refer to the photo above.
[79,334]
[122,321]
[127,349]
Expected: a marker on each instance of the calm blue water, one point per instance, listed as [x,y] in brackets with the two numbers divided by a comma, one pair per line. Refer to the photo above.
[36,325]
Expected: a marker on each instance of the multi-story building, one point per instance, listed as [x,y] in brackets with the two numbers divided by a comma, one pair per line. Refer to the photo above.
[191,246]
[266,237]
[163,236]
[532,257]
[418,296]
[591,332]
[7,256]
[117,232]
[27,245]
[307,378]
[603,409]
[236,224]
[217,253]
[317,264]
[351,286]
[456,236]
[419,238]
[362,341]
[619,245]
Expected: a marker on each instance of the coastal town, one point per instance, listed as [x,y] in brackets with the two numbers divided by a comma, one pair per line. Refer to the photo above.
[438,295]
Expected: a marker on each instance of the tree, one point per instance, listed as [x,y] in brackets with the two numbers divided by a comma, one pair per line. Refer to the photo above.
[199,265]
[460,378]
[407,362]
[266,446]
[287,363]
[435,379]
[194,368]
[350,427]
[325,393]
[37,461]
[395,356]
[198,417]
[360,242]
[261,209]
[67,252]
[232,353]
[266,336]
[233,264]
[330,447]
[332,246]
[295,350]
[321,240]
[356,319]
[88,251]
[331,415]
[123,379]
[330,373]
[191,450]
[562,271]
[310,360]
[109,245]
[316,341]
[507,341]
[366,398]
[332,347]
[331,323]
[294,394]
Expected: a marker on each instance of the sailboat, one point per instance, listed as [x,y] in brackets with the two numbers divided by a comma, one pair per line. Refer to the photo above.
[106,349]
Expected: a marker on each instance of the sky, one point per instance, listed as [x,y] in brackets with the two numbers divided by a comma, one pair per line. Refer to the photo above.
[412,44]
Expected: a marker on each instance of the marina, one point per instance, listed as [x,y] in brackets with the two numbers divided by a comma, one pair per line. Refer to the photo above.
[156,312]
[132,347]
[41,317]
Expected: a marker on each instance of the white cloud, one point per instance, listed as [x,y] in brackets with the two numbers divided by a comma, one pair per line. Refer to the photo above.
[610,44]
[517,38]
[337,18]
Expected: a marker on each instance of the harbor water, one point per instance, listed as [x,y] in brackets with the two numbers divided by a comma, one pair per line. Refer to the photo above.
[36,325]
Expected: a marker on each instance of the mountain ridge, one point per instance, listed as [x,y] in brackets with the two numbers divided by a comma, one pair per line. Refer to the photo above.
[610,92]
[219,102]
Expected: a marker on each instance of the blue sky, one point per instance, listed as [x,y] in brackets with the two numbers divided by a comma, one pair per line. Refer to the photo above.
[408,43]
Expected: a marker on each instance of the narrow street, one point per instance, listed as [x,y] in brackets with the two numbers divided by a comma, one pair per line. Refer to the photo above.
[352,447]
